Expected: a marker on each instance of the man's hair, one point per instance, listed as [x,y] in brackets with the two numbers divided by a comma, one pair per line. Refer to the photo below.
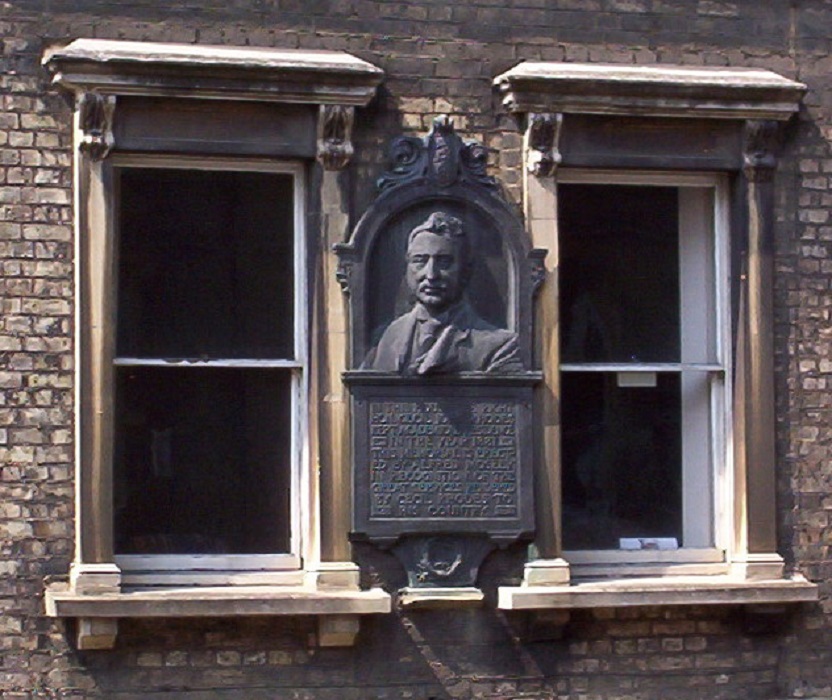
[441,223]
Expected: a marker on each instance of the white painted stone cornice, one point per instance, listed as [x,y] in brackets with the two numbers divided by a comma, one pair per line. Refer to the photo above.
[213,72]
[654,91]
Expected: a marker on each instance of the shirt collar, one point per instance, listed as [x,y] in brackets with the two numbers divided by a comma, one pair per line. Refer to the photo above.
[423,315]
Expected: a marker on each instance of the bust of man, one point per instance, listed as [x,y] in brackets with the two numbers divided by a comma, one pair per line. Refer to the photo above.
[442,333]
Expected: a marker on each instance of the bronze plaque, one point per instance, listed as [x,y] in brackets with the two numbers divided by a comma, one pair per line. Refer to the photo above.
[443,459]
[441,276]
[437,458]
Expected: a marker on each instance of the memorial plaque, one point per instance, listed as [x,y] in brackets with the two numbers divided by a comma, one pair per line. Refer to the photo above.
[453,459]
[442,458]
[441,276]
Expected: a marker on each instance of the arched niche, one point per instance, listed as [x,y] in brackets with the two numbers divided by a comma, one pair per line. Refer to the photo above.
[440,173]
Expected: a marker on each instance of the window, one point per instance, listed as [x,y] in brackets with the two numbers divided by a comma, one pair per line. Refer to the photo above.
[656,438]
[209,364]
[643,263]
[202,466]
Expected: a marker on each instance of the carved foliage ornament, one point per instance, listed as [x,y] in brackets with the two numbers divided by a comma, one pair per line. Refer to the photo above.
[95,120]
[335,136]
[542,137]
[441,157]
[443,560]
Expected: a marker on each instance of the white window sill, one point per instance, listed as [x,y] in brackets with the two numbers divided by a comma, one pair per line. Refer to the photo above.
[216,601]
[97,595]
[676,590]
[646,563]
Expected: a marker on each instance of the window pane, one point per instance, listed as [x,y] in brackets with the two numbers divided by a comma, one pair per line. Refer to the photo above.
[619,273]
[622,460]
[202,460]
[205,264]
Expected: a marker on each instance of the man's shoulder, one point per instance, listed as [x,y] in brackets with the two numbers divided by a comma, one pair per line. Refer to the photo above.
[400,323]
[391,345]
[468,318]
[493,336]
[478,325]
[397,332]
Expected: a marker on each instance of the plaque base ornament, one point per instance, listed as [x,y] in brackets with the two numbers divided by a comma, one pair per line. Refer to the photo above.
[442,561]
[441,277]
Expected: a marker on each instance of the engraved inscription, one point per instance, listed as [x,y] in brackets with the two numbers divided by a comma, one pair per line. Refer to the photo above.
[450,458]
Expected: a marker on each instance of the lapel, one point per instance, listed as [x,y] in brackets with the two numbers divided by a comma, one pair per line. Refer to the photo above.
[450,351]
[395,353]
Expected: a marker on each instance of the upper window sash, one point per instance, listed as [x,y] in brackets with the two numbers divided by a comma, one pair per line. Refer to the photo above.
[296,169]
[718,214]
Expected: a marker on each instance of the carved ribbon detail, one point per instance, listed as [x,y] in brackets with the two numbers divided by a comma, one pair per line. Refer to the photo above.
[95,120]
[759,149]
[442,158]
[542,138]
[335,136]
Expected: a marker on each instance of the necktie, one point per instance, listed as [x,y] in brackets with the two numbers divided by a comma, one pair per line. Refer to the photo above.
[429,330]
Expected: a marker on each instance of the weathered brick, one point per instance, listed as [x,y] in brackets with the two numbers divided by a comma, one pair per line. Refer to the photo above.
[439,58]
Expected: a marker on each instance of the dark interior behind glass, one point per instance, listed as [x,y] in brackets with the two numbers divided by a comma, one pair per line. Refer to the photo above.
[619,273]
[202,460]
[203,454]
[619,301]
[622,454]
[205,264]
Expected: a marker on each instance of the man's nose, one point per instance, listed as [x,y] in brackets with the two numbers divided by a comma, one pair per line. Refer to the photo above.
[431,269]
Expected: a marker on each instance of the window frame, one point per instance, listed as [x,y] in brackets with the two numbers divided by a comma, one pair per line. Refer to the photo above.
[256,105]
[138,568]
[691,119]
[710,559]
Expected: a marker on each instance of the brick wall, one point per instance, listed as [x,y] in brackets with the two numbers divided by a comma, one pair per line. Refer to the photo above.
[803,346]
[439,57]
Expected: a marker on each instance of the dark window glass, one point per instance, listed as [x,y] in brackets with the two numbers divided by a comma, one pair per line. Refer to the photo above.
[622,460]
[619,273]
[202,460]
[205,264]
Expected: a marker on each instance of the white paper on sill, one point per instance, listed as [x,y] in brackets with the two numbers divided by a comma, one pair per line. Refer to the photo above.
[637,543]
[636,380]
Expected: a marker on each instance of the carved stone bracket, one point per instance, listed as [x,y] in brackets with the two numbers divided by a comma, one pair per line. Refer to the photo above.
[537,267]
[95,120]
[542,139]
[343,272]
[759,155]
[335,136]
[442,158]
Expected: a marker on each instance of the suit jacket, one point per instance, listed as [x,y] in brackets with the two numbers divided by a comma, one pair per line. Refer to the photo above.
[465,343]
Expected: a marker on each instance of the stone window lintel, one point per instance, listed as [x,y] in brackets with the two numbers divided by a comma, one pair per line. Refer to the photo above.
[213,72]
[655,91]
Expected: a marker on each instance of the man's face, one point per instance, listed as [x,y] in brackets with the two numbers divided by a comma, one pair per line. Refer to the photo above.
[434,271]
